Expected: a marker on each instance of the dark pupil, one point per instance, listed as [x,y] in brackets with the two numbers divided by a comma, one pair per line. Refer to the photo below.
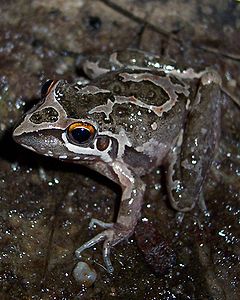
[81,134]
[45,87]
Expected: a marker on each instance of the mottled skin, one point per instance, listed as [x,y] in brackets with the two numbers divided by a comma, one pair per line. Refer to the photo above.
[145,112]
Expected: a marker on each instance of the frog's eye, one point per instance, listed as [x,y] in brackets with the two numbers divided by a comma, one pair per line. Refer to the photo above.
[80,133]
[47,86]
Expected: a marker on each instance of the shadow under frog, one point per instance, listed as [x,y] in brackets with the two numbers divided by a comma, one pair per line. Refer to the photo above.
[137,112]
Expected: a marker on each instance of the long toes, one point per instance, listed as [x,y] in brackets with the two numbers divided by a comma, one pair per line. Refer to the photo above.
[98,238]
[100,223]
[106,256]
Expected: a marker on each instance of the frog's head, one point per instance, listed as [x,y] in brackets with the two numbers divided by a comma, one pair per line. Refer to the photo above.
[49,128]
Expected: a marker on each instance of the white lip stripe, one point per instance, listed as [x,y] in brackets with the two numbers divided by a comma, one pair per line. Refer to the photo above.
[87,151]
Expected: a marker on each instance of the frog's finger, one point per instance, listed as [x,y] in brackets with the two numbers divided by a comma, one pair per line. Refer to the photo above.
[100,223]
[106,256]
[97,239]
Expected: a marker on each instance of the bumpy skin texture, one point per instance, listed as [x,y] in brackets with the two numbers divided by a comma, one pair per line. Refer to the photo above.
[143,112]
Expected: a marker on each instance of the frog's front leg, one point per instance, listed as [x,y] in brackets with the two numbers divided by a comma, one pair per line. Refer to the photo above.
[133,190]
[193,153]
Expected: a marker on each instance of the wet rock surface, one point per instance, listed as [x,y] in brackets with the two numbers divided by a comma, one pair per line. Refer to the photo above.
[46,205]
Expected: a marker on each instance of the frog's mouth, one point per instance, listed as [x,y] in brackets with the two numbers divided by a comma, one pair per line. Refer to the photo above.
[45,142]
[49,143]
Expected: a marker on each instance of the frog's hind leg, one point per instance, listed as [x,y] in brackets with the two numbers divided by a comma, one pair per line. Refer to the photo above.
[193,153]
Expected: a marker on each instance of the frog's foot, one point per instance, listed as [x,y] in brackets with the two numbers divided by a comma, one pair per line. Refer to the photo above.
[111,236]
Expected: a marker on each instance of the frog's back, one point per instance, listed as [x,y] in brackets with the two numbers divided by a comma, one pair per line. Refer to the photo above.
[148,105]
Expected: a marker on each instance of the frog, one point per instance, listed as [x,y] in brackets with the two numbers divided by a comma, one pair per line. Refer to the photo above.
[137,111]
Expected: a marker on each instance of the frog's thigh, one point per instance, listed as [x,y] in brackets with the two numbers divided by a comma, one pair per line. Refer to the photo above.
[194,152]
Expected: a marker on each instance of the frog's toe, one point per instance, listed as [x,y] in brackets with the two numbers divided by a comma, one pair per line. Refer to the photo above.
[106,256]
[100,223]
[97,239]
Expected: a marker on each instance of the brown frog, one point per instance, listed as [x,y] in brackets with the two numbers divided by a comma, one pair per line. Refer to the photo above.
[137,113]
